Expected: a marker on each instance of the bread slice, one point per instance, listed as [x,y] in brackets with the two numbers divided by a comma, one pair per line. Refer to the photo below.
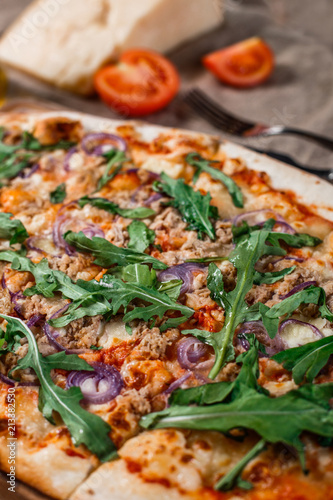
[64,42]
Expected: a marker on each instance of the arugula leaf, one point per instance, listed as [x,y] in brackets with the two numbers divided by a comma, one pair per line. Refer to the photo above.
[136,273]
[120,295]
[208,259]
[243,404]
[194,207]
[297,240]
[244,258]
[115,160]
[91,298]
[203,165]
[15,158]
[270,278]
[310,295]
[12,166]
[85,427]
[140,236]
[142,275]
[113,208]
[12,229]
[306,361]
[225,392]
[59,194]
[171,288]
[233,477]
[220,391]
[251,244]
[280,419]
[108,254]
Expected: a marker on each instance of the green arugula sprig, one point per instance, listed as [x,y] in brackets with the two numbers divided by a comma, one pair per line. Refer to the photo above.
[311,295]
[120,295]
[15,158]
[203,165]
[243,404]
[84,427]
[141,237]
[107,296]
[12,229]
[194,207]
[251,245]
[115,160]
[306,361]
[113,208]
[106,254]
[59,194]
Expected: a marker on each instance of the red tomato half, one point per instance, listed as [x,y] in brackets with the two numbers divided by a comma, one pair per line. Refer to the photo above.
[244,64]
[142,82]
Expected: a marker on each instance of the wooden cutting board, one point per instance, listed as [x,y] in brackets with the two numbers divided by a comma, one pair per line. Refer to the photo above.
[22,492]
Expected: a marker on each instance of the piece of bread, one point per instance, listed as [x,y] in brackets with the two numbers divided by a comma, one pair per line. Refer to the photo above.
[65,42]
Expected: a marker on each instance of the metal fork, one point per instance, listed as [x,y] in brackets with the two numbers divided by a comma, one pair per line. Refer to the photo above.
[222,119]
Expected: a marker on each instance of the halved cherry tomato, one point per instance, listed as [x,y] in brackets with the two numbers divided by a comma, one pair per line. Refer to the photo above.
[244,64]
[141,83]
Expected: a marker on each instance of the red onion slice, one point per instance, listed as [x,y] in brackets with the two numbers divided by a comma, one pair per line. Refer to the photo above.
[62,224]
[297,288]
[92,230]
[177,383]
[30,172]
[272,346]
[53,333]
[13,383]
[98,387]
[100,143]
[152,198]
[288,257]
[35,319]
[68,157]
[259,217]
[189,351]
[182,272]
[291,321]
[42,244]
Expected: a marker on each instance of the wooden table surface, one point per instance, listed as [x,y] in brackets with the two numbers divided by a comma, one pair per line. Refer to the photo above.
[299,93]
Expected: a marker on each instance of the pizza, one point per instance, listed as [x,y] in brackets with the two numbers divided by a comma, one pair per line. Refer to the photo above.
[166,315]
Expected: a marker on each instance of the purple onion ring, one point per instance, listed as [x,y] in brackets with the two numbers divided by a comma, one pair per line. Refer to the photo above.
[292,321]
[52,334]
[190,350]
[99,386]
[59,228]
[177,383]
[297,288]
[182,272]
[272,346]
[30,172]
[100,143]
[12,382]
[68,156]
[252,219]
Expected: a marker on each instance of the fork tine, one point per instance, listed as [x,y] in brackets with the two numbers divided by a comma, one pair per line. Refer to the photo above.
[220,112]
[215,109]
[219,121]
[214,113]
[205,112]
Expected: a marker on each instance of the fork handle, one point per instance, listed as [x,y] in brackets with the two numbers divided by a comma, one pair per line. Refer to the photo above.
[319,139]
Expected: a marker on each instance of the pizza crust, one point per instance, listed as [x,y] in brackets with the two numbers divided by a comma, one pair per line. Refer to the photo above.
[310,189]
[48,469]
